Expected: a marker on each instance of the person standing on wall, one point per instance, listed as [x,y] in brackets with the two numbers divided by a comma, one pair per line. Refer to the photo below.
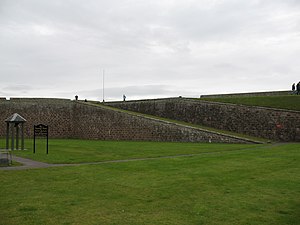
[293,88]
[298,88]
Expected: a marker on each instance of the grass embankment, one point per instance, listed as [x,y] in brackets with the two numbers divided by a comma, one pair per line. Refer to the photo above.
[290,102]
[259,186]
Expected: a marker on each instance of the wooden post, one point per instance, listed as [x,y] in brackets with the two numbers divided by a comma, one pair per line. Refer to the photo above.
[7,136]
[17,136]
[12,138]
[47,140]
[22,136]
[34,139]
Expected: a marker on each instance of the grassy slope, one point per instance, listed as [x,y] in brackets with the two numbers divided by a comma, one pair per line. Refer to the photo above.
[291,102]
[245,187]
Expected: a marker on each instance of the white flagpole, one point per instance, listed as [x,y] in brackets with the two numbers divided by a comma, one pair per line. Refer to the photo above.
[103,84]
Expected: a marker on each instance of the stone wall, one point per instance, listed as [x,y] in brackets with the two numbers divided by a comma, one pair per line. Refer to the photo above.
[93,122]
[56,112]
[71,119]
[281,125]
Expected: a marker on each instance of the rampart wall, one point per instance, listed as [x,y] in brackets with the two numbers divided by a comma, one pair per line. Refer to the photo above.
[71,119]
[250,94]
[56,112]
[280,125]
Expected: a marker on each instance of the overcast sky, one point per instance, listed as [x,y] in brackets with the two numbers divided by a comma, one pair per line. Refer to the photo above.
[148,48]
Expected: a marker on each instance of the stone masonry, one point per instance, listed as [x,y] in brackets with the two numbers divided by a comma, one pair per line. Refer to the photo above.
[72,119]
[274,124]
[56,112]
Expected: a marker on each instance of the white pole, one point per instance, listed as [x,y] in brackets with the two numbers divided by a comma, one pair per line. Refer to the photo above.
[103,84]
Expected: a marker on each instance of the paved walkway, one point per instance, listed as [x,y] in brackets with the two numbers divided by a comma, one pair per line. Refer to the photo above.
[26,164]
[31,164]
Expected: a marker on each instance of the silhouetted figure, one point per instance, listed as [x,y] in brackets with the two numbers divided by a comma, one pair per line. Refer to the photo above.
[76,97]
[124,98]
[293,88]
[298,88]
[85,100]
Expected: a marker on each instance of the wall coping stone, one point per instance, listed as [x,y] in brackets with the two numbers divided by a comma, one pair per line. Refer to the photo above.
[205,101]
[245,106]
[248,94]
[39,99]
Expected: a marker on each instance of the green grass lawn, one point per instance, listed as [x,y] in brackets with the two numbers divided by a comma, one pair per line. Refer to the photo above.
[291,102]
[256,186]
[76,151]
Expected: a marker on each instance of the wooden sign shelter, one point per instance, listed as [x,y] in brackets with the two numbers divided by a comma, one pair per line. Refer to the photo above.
[15,123]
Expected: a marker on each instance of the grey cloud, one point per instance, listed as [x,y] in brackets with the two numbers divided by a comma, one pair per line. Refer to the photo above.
[132,92]
[155,45]
[129,89]
[19,90]
[19,87]
[229,19]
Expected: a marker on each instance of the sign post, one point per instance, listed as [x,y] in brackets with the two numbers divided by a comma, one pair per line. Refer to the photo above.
[40,130]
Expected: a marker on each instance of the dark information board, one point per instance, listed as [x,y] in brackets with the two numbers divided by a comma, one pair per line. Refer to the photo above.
[40,130]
